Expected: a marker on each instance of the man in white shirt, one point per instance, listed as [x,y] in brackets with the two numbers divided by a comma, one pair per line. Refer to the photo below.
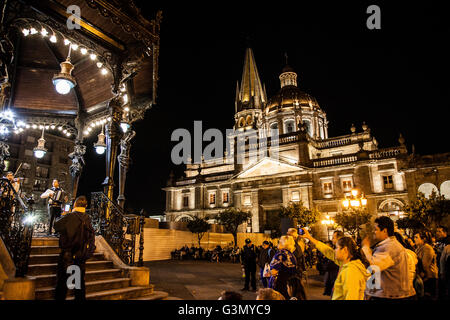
[55,197]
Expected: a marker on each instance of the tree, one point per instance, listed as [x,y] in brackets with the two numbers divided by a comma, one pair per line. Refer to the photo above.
[231,219]
[429,212]
[410,224]
[198,226]
[300,214]
[352,220]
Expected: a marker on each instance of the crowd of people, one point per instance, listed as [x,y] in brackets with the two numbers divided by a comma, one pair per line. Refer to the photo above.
[218,254]
[387,266]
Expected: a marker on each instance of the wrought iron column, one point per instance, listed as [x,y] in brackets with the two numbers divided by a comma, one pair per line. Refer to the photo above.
[124,161]
[77,165]
[112,139]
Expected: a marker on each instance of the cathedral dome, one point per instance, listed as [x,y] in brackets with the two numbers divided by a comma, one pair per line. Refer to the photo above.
[291,96]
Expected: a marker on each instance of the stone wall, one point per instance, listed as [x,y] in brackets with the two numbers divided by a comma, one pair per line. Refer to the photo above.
[158,243]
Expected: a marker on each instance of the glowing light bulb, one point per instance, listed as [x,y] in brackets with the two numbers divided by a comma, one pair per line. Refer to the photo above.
[53,39]
[100,149]
[63,86]
[99,64]
[33,31]
[34,126]
[44,32]
[104,71]
[25,32]
[39,153]
[66,42]
[83,50]
[52,126]
[74,46]
[93,56]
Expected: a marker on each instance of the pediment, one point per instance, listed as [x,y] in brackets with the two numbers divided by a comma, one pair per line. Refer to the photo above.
[269,167]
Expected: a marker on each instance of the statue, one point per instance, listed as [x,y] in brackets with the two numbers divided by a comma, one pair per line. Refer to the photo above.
[77,159]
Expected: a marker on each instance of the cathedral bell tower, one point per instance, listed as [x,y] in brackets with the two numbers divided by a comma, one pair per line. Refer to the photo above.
[251,96]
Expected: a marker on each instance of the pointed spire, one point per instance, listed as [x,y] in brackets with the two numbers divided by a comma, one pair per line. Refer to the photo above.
[251,94]
[236,101]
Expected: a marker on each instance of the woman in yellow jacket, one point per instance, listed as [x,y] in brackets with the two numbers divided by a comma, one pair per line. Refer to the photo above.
[351,280]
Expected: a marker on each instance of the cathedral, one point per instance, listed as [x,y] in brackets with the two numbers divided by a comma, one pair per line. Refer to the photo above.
[302,164]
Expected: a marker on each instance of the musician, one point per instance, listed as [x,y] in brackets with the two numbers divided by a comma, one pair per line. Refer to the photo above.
[15,182]
[56,198]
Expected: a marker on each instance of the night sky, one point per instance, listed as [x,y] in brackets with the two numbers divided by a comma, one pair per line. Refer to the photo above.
[395,79]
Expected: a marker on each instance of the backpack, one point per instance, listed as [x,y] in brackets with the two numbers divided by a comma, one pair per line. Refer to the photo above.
[86,242]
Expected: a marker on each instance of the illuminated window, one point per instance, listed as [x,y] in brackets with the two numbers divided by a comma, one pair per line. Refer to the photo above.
[387,182]
[347,185]
[212,198]
[327,187]
[225,197]
[295,197]
[185,201]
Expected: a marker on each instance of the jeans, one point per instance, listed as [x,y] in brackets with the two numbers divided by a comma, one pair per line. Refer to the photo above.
[264,281]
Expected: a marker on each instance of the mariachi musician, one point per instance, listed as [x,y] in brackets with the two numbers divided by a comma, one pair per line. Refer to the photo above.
[56,197]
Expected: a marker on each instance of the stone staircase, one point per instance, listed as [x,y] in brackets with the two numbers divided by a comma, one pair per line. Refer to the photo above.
[103,280]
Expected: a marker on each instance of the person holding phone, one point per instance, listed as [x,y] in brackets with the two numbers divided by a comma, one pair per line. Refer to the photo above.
[351,280]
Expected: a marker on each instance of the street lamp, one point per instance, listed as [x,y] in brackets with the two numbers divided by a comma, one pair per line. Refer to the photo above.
[328,222]
[355,201]
[100,146]
[40,150]
[64,81]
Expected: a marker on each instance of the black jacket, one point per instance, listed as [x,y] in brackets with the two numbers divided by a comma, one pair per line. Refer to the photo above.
[300,257]
[248,255]
[69,227]
[265,256]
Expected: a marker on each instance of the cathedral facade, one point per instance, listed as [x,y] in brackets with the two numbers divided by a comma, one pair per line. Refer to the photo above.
[300,163]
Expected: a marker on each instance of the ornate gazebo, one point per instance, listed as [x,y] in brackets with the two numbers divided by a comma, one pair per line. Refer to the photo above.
[76,67]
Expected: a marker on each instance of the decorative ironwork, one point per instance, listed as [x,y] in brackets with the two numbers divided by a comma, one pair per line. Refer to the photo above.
[118,229]
[16,226]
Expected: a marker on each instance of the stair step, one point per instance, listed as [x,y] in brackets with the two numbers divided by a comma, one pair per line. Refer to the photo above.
[47,280]
[119,294]
[155,295]
[45,241]
[45,250]
[53,258]
[50,268]
[91,287]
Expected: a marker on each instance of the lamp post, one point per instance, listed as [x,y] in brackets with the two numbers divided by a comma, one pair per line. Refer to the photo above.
[355,202]
[328,222]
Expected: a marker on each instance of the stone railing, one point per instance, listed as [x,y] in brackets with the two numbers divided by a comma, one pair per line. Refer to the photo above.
[185,182]
[217,178]
[384,153]
[332,161]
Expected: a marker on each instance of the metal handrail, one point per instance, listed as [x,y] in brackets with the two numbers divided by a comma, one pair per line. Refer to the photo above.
[16,234]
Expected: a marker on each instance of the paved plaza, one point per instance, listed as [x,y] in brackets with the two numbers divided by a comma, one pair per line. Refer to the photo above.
[203,280]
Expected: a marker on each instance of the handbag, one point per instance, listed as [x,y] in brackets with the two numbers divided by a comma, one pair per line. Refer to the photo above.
[266,271]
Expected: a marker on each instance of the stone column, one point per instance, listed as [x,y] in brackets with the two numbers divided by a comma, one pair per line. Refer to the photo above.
[124,161]
[255,211]
[113,135]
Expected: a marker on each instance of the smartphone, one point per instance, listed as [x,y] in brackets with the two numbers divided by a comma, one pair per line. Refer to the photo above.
[67,208]
[300,231]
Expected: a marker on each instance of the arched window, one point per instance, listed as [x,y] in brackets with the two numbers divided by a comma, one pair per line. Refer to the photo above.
[308,126]
[241,122]
[249,120]
[274,128]
[427,188]
[183,218]
[445,189]
[392,207]
[289,126]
